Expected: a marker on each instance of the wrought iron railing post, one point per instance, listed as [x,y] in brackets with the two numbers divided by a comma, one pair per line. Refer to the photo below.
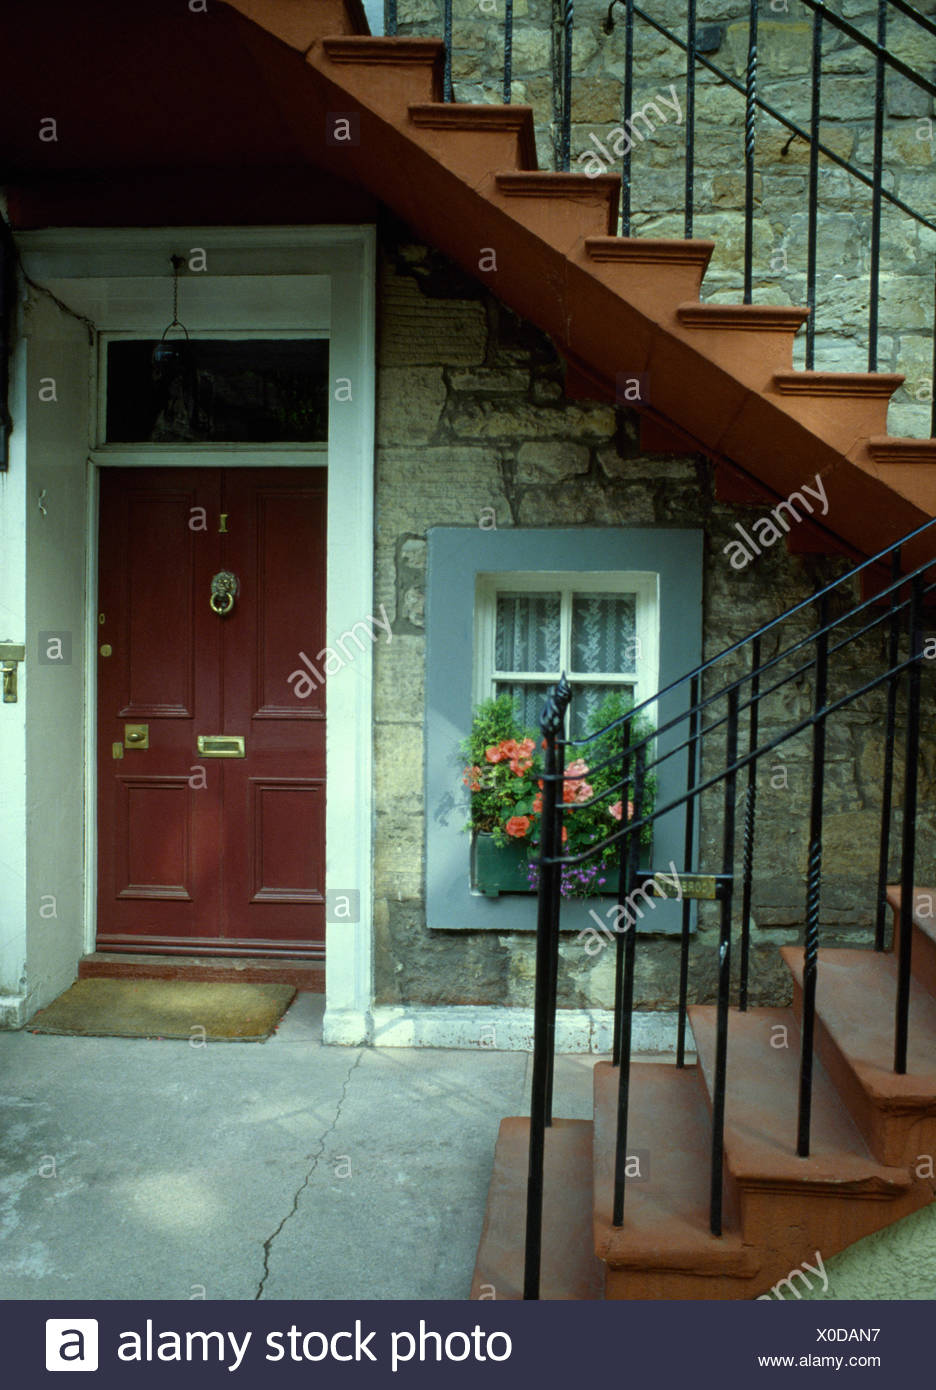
[626,891]
[447,36]
[890,733]
[813,881]
[690,117]
[565,139]
[628,113]
[508,50]
[750,121]
[750,826]
[551,723]
[623,863]
[688,851]
[908,851]
[554,933]
[875,259]
[724,970]
[813,196]
[390,17]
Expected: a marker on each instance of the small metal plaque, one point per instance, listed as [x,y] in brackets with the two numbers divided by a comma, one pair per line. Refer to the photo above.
[708,887]
[222,745]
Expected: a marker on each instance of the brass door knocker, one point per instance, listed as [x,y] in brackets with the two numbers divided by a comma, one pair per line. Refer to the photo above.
[224,589]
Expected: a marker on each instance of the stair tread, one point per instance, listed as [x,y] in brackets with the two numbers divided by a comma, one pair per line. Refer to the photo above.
[666,1212]
[761,1109]
[569,1269]
[922,897]
[855,997]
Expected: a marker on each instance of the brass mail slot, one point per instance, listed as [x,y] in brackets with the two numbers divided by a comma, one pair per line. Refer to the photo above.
[222,745]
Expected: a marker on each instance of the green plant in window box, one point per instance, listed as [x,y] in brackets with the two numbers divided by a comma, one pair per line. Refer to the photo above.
[504,776]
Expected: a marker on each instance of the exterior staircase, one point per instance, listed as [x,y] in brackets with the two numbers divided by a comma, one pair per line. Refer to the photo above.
[719,377]
[871,1162]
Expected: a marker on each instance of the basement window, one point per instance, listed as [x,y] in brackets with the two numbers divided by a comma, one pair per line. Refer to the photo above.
[216,390]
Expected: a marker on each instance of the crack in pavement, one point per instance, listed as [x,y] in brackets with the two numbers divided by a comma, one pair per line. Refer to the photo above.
[268,1243]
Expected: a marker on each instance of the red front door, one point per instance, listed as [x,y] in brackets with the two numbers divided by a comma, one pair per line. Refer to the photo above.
[211,767]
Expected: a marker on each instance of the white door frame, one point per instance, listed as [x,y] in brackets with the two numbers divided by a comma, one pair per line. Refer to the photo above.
[120,280]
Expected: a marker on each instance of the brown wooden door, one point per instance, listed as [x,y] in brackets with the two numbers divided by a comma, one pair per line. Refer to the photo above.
[203,853]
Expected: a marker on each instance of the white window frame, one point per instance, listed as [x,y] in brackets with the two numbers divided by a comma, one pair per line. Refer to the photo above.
[644,585]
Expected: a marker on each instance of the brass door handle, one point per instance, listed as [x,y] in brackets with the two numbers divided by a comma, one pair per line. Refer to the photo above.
[224,589]
[136,735]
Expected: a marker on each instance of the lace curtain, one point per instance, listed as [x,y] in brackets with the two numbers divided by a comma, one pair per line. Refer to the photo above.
[527,638]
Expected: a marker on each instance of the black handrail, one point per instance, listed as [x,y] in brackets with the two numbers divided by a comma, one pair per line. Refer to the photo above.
[746,692]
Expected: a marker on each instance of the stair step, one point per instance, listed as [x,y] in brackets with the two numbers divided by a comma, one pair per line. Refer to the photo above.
[389,72]
[563,209]
[839,1193]
[649,271]
[761,1108]
[923,946]
[728,341]
[569,1268]
[906,465]
[665,1248]
[855,999]
[841,407]
[477,139]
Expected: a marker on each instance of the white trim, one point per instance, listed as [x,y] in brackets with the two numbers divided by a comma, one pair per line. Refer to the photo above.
[83,263]
[470,1027]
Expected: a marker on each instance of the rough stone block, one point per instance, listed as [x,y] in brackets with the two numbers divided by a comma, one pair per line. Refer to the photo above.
[410,401]
[550,462]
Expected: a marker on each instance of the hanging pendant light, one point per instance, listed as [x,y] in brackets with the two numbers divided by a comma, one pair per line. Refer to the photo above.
[175,376]
[172,354]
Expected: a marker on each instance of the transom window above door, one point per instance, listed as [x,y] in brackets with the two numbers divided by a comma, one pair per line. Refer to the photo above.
[215,390]
[600,628]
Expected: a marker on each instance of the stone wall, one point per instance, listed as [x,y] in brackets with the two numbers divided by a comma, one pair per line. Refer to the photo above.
[472,416]
[908,249]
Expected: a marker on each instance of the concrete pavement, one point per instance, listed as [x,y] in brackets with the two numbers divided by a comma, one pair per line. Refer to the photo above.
[135,1169]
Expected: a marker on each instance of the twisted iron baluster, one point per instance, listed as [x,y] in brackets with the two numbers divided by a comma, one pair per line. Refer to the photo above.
[749,121]
[813,882]
[508,50]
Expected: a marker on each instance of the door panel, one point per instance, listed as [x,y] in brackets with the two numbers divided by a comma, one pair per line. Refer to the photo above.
[275,797]
[200,852]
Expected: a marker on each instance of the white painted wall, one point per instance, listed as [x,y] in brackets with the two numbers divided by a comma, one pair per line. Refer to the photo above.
[13,717]
[58,350]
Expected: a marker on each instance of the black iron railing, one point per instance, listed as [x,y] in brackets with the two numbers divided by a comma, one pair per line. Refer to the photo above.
[716,704]
[635,18]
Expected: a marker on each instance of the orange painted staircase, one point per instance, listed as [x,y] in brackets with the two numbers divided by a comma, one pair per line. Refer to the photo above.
[871,1162]
[720,377]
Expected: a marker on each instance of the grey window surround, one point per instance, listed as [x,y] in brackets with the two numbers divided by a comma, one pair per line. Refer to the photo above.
[456,556]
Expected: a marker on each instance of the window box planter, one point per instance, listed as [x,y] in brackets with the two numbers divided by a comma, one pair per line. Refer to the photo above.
[497,869]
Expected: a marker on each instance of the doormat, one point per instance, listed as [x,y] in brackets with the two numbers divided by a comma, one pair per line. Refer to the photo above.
[219,1012]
